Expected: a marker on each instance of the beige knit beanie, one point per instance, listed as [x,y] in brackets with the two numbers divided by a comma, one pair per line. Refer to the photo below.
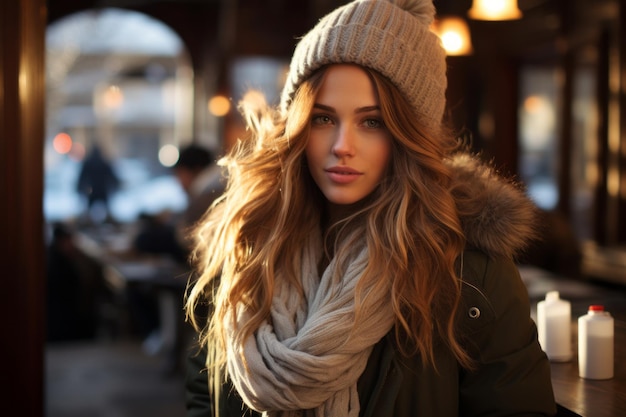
[389,36]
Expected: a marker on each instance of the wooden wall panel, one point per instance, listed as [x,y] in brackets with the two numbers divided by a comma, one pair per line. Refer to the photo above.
[22,279]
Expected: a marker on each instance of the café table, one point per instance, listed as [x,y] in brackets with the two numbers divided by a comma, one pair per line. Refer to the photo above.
[592,398]
[574,395]
[158,277]
[167,280]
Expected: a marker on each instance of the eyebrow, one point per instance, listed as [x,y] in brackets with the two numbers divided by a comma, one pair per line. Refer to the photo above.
[358,110]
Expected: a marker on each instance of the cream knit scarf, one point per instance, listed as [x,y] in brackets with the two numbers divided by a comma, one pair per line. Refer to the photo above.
[307,361]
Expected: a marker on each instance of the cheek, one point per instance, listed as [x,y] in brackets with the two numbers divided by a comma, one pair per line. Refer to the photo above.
[313,154]
[382,157]
[310,161]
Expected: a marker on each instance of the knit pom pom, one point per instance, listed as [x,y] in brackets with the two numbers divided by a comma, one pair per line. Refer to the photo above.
[423,10]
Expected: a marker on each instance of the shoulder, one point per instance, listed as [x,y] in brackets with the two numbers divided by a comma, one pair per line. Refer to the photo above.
[491,289]
[512,373]
[496,214]
[486,271]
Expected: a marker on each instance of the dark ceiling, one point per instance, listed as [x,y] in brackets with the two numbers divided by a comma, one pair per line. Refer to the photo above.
[271,26]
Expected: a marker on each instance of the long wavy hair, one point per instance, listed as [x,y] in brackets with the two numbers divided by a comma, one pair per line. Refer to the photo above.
[271,205]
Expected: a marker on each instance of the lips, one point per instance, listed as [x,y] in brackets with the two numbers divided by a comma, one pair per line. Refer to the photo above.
[342,175]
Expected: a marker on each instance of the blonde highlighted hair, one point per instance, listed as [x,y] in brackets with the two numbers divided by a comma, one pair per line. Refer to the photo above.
[271,205]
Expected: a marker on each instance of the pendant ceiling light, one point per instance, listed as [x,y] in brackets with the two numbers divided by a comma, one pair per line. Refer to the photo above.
[454,34]
[494,10]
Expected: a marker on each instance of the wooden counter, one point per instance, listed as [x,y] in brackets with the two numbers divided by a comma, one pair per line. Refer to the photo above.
[592,398]
[575,395]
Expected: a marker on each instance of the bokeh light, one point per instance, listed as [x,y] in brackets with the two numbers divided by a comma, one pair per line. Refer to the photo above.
[219,106]
[62,143]
[168,155]
[113,97]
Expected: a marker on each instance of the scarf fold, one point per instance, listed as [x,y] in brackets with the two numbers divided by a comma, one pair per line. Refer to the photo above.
[307,361]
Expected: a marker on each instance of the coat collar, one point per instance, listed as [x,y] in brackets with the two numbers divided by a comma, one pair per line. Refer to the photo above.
[496,214]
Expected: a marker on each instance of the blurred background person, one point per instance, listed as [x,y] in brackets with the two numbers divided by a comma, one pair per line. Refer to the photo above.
[164,328]
[76,289]
[97,181]
[201,178]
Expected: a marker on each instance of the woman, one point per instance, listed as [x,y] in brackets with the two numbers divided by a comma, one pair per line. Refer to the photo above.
[358,263]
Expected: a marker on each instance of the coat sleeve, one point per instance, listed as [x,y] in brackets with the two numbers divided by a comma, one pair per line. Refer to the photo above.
[512,373]
[197,397]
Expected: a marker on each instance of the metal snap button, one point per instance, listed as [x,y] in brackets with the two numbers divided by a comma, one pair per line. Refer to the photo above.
[474,312]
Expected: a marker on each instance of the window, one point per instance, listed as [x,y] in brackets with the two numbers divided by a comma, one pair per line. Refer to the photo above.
[121,81]
[538,134]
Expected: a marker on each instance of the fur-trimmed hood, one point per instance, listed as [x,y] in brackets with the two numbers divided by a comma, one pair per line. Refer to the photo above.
[496,214]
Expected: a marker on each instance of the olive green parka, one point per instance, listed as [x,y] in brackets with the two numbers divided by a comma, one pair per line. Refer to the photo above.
[511,376]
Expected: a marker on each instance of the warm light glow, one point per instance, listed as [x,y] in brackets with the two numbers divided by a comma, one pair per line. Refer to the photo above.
[62,143]
[612,182]
[591,173]
[534,104]
[254,98]
[538,123]
[219,106]
[113,97]
[454,35]
[494,10]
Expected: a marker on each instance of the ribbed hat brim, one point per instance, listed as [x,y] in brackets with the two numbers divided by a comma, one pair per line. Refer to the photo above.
[379,35]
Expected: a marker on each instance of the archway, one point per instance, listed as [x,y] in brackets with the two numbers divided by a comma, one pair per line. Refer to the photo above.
[121,81]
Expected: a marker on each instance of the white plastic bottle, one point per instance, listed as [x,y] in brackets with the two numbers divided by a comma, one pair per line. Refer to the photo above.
[554,321]
[596,344]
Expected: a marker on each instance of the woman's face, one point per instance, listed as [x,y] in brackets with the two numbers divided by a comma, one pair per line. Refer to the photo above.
[349,147]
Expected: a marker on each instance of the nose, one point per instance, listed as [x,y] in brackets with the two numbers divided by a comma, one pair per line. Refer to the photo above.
[344,143]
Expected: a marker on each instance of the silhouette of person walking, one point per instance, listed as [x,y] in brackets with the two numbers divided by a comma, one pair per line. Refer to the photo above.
[97,181]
